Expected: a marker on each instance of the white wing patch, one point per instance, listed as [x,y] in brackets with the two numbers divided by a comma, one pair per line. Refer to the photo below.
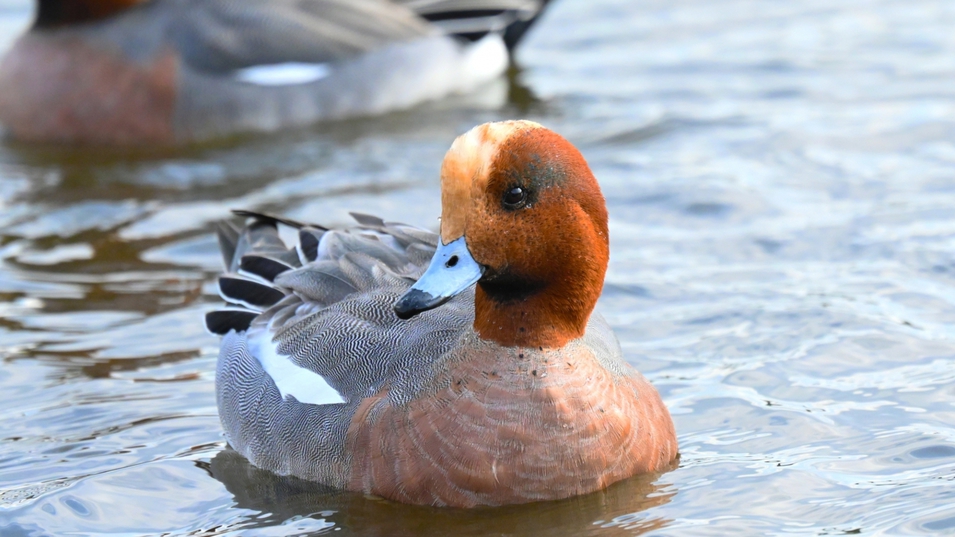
[283,74]
[291,379]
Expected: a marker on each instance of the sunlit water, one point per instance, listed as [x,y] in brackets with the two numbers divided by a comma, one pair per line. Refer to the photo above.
[781,183]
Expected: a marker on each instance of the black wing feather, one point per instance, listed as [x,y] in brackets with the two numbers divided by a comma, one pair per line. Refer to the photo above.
[222,321]
[243,291]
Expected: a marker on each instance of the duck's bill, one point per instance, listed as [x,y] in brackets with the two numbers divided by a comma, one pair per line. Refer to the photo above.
[452,270]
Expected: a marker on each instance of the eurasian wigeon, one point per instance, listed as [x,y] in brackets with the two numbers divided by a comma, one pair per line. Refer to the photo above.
[461,369]
[168,71]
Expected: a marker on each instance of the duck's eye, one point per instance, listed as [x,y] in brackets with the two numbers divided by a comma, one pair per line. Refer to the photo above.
[515,198]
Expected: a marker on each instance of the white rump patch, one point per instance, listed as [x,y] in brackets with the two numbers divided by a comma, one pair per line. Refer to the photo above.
[291,379]
[283,74]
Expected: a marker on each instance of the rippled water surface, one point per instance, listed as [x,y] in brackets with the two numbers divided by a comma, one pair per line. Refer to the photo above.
[781,183]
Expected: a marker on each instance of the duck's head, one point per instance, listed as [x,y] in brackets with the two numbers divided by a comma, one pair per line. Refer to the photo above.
[523,216]
[56,13]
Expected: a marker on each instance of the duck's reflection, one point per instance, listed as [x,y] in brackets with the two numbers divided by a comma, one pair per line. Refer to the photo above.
[614,511]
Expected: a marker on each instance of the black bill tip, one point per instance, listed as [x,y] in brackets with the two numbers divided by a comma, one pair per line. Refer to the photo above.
[415,301]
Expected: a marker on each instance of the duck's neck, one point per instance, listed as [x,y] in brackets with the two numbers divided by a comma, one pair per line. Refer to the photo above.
[548,314]
[57,13]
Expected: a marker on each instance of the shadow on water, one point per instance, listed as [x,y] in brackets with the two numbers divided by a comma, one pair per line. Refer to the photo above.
[287,501]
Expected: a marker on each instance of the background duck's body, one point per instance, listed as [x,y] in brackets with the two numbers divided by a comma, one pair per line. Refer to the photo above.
[164,71]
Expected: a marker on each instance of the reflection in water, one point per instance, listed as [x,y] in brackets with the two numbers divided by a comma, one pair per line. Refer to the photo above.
[284,501]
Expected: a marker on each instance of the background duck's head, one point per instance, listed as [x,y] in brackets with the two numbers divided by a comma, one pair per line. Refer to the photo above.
[54,13]
[523,216]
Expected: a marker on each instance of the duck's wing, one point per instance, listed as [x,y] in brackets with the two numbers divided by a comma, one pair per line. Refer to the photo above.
[318,317]
[473,19]
[228,35]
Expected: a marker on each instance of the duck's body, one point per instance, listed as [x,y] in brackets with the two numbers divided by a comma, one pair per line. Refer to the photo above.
[489,399]
[169,71]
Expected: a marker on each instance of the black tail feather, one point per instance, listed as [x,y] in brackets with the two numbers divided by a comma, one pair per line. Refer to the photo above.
[308,240]
[222,321]
[255,295]
[264,267]
[473,20]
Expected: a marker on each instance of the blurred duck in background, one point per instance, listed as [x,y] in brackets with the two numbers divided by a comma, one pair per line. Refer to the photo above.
[132,72]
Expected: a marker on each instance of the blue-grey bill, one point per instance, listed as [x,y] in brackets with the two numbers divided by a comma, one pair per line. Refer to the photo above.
[452,270]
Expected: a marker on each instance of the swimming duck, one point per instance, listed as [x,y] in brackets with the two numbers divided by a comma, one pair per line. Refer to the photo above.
[457,369]
[168,71]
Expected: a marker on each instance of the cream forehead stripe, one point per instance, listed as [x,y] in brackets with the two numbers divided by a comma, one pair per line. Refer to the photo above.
[465,168]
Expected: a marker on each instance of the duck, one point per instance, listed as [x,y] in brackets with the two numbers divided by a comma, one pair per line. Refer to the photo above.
[163,72]
[461,368]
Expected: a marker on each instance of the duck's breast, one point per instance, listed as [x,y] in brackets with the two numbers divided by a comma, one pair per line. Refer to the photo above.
[509,425]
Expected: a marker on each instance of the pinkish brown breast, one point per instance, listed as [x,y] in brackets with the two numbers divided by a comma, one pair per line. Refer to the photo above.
[509,425]
[59,89]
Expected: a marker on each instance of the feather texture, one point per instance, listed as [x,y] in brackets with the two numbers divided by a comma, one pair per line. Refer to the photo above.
[333,318]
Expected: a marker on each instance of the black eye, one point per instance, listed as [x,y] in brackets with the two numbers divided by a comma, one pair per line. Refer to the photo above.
[515,197]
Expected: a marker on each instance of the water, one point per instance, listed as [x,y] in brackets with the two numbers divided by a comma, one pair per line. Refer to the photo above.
[779,177]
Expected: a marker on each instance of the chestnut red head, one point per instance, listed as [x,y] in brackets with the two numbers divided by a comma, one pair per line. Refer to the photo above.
[56,13]
[534,222]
